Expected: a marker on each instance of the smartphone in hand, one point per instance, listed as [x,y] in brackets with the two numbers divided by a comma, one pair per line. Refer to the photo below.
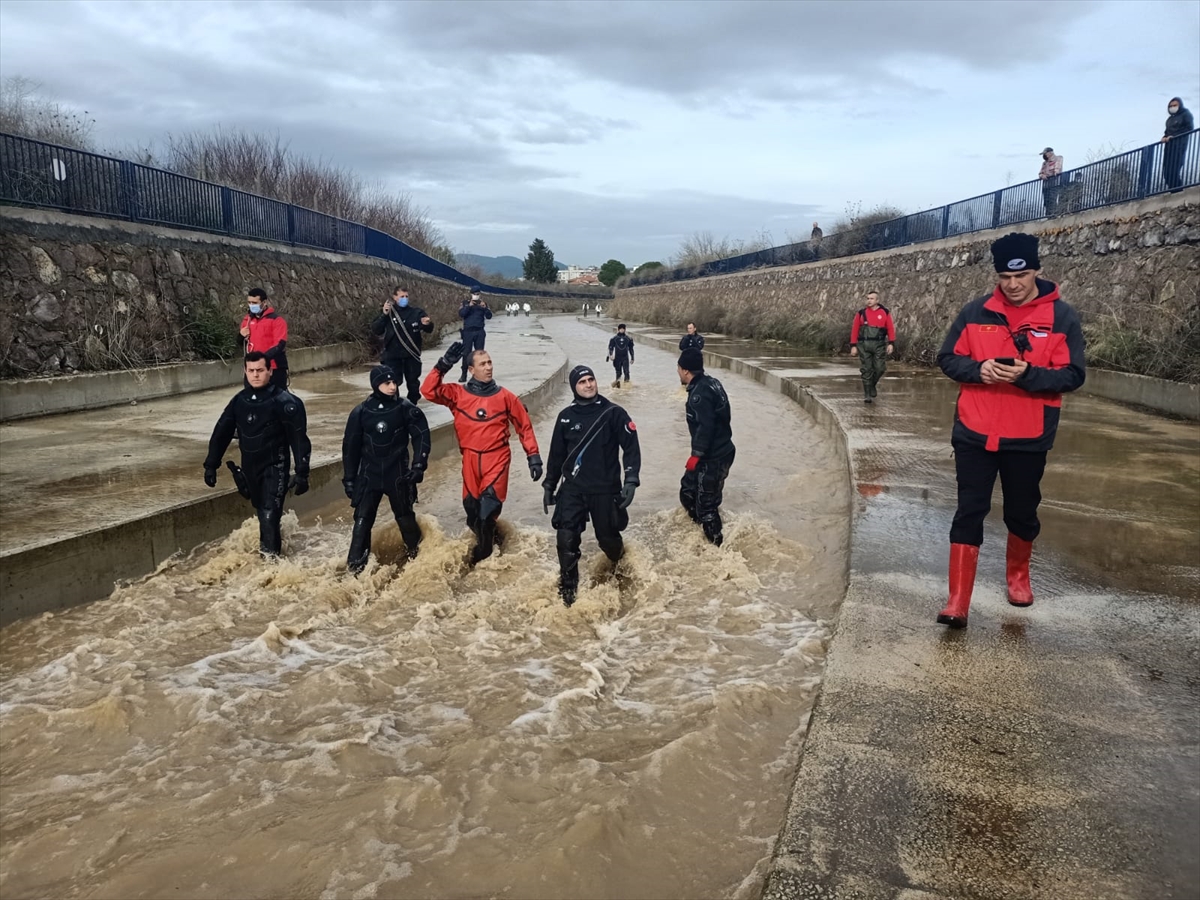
[1005,360]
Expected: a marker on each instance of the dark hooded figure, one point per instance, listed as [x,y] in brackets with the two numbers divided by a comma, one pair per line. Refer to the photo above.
[708,420]
[1176,136]
[375,462]
[593,445]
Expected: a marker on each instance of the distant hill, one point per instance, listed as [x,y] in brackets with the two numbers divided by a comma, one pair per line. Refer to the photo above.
[504,266]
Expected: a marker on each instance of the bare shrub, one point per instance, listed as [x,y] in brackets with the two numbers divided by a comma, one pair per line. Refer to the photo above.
[26,112]
[855,232]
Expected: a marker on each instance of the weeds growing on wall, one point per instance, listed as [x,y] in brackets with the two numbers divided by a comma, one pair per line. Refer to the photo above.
[211,333]
[1162,343]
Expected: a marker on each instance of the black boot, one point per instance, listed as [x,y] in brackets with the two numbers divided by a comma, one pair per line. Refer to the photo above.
[712,530]
[270,541]
[411,532]
[485,540]
[360,547]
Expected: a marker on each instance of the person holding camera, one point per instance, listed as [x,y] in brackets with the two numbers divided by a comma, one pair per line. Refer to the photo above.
[482,413]
[375,463]
[474,313]
[402,327]
[268,422]
[1014,352]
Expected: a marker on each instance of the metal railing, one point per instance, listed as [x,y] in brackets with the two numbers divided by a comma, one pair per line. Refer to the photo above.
[37,174]
[1155,169]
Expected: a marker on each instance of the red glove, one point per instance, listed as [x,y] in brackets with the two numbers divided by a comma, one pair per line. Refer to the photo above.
[692,462]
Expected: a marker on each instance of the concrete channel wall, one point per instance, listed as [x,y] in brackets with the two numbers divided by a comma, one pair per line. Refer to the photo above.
[86,567]
[29,397]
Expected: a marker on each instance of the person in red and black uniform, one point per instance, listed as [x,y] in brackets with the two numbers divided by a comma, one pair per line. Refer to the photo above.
[265,332]
[1015,352]
[871,339]
[482,412]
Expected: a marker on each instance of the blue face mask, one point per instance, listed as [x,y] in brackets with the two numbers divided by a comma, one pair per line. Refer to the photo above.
[255,309]
[403,302]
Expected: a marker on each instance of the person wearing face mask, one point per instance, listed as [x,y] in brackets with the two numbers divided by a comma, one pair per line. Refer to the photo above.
[265,331]
[474,313]
[593,445]
[1014,352]
[402,327]
[268,422]
[1176,136]
[375,463]
[482,412]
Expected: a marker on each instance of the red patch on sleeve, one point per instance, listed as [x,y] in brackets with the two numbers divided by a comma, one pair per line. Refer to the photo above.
[629,426]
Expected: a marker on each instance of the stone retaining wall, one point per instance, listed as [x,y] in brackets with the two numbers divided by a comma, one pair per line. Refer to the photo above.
[81,293]
[1132,271]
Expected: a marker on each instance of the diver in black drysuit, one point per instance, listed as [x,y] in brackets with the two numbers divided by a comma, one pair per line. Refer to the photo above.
[271,428]
[375,462]
[588,435]
[620,351]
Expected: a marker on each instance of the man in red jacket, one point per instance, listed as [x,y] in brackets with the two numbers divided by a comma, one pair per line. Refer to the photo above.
[1015,352]
[265,332]
[482,413]
[872,331]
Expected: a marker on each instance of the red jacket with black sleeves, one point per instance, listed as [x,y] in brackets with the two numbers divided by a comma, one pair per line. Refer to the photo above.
[1045,332]
[268,334]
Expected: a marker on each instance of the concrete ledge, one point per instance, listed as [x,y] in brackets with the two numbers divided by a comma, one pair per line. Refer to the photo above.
[86,567]
[1173,397]
[29,397]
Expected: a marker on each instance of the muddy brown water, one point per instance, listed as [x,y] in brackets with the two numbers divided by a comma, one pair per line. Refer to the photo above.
[233,728]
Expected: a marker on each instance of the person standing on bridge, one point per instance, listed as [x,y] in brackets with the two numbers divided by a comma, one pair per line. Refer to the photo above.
[871,340]
[620,352]
[401,327]
[1050,175]
[708,421]
[1175,140]
[482,413]
[1014,352]
[265,331]
[693,338]
[474,313]
[590,438]
[269,422]
[375,462]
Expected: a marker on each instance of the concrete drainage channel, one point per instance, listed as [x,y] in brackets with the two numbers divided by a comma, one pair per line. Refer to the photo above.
[87,566]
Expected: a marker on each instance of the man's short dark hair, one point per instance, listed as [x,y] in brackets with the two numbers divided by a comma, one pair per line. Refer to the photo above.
[873,291]
[471,357]
[257,292]
[398,290]
[621,327]
[254,356]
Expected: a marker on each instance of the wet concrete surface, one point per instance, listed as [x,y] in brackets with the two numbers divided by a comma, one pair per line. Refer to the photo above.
[1052,752]
[67,474]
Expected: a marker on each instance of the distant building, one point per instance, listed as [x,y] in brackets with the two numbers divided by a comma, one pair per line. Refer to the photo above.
[571,274]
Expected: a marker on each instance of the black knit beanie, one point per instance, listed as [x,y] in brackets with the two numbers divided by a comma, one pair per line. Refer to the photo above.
[692,360]
[1016,252]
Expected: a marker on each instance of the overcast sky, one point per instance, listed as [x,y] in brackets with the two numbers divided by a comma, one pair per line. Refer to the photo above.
[616,129]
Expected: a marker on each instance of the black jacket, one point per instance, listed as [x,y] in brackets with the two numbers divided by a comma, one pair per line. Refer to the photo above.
[583,448]
[473,316]
[401,332]
[692,340]
[708,418]
[621,345]
[268,422]
[375,446]
[1180,123]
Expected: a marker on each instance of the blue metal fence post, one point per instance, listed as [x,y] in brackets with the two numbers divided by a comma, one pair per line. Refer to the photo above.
[129,204]
[996,208]
[227,210]
[945,221]
[291,213]
[1145,171]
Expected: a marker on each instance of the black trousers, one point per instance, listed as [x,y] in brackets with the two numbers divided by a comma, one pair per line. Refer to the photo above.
[700,493]
[472,339]
[408,372]
[621,364]
[268,488]
[279,378]
[1020,482]
[571,513]
[1174,152]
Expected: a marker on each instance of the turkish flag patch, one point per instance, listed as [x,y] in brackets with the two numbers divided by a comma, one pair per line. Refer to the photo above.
[630,427]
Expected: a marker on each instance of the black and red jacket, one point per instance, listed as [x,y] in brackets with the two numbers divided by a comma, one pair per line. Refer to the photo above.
[268,335]
[1045,332]
[877,320]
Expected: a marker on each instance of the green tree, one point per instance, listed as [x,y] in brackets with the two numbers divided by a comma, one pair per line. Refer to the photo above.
[647,266]
[539,264]
[611,271]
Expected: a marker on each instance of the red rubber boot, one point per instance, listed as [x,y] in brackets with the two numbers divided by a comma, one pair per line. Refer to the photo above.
[1016,571]
[963,560]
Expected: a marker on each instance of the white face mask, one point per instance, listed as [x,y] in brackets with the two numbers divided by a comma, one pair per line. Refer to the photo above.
[1172,109]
